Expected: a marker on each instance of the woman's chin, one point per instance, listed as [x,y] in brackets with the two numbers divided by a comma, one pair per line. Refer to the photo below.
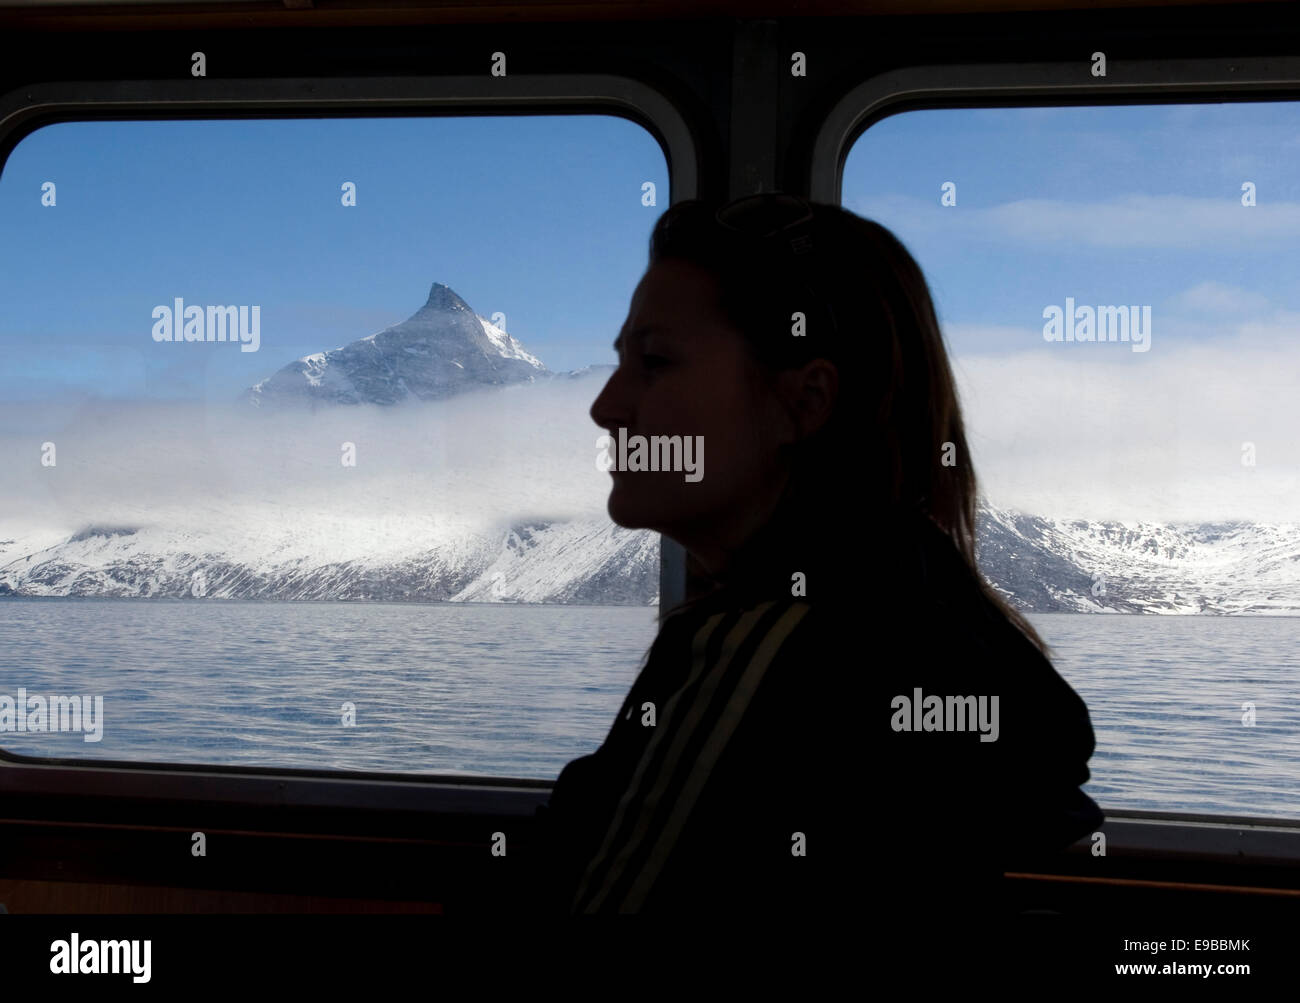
[629,512]
[625,515]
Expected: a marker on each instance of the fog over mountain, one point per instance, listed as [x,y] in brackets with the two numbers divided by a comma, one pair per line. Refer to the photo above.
[472,477]
[1040,565]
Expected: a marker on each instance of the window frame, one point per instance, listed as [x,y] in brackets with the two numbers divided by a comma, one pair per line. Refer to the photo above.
[1191,837]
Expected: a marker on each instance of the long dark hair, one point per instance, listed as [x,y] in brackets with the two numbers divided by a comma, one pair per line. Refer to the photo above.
[868,310]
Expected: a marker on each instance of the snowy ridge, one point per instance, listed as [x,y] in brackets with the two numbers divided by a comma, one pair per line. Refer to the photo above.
[592,562]
[1073,565]
[508,346]
[441,350]
[1038,564]
[587,561]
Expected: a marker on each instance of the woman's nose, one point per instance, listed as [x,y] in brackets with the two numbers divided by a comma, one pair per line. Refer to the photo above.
[609,410]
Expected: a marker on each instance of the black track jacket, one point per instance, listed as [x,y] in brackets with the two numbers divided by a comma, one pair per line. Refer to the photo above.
[758,767]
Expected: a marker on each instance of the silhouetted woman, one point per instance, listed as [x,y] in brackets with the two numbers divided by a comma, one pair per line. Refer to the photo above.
[781,753]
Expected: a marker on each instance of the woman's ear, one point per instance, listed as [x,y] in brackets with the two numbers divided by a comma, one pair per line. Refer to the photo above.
[809,394]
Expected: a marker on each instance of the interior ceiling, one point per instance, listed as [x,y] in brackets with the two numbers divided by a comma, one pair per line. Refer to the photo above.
[146,14]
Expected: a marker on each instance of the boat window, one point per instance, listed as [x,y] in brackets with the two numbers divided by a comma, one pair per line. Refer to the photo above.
[299,470]
[1115,285]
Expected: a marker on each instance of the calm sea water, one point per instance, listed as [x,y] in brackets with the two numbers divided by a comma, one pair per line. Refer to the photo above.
[501,690]
[514,690]
[1166,696]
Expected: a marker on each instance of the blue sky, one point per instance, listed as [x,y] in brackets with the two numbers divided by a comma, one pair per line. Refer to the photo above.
[537,217]
[1121,204]
[540,217]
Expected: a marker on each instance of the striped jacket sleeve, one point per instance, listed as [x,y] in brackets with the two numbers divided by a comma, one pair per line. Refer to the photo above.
[700,768]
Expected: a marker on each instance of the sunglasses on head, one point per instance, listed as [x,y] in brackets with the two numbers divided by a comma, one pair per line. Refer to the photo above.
[770,216]
[783,223]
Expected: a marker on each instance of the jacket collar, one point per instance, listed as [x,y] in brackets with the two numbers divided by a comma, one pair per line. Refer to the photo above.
[881,555]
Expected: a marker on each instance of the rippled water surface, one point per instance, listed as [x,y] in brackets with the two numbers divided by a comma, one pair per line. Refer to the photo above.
[514,690]
[1166,697]
[501,690]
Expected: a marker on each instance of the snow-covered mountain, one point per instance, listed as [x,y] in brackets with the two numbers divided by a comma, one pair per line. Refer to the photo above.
[261,547]
[1040,565]
[268,549]
[589,561]
[1071,565]
[443,349]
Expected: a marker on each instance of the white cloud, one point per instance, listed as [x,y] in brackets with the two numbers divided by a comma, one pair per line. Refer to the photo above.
[1219,299]
[1078,430]
[446,467]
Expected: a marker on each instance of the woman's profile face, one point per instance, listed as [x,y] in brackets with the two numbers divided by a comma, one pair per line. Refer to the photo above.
[683,371]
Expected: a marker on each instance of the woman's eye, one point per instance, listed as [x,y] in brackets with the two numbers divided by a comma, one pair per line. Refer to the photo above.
[653,361]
